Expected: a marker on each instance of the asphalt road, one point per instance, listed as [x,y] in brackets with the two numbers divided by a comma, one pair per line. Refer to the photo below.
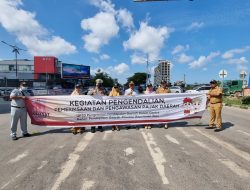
[184,157]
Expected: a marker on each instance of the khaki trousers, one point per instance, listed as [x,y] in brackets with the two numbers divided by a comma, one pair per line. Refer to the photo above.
[215,115]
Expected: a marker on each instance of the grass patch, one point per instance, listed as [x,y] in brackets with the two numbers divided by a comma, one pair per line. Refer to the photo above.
[235,101]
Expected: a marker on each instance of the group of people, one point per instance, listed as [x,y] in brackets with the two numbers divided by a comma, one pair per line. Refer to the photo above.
[19,112]
[99,90]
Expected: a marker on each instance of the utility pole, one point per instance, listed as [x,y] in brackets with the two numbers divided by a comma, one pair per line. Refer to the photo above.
[15,50]
[147,71]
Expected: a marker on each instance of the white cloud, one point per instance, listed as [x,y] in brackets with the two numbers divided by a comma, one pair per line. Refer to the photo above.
[138,59]
[230,53]
[125,18]
[95,59]
[102,28]
[104,5]
[29,32]
[104,25]
[104,57]
[121,68]
[183,58]
[195,26]
[179,49]
[202,60]
[239,61]
[148,40]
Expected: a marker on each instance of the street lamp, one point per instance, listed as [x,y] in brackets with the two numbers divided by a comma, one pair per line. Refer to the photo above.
[15,50]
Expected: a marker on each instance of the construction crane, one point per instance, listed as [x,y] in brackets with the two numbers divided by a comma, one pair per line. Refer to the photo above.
[15,50]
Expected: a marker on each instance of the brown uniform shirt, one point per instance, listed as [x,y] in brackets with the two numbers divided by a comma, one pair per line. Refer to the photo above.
[162,90]
[215,95]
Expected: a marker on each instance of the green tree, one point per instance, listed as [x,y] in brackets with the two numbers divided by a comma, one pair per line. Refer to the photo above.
[137,78]
[107,80]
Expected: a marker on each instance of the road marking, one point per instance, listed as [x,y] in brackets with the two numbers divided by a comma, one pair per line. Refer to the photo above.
[132,162]
[129,151]
[19,157]
[44,163]
[106,134]
[228,146]
[5,185]
[12,180]
[185,133]
[227,162]
[172,139]
[87,184]
[156,154]
[202,145]
[243,132]
[68,167]
[235,168]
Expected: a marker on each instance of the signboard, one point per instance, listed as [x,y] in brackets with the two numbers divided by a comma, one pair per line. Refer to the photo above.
[243,74]
[223,74]
[75,71]
[82,110]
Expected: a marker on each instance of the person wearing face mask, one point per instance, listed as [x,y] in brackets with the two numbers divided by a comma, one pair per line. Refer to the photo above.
[18,111]
[99,90]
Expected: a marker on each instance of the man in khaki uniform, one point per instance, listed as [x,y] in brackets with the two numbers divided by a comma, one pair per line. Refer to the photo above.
[163,89]
[215,100]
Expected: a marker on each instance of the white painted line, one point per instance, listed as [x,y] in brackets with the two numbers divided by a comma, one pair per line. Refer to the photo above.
[227,162]
[106,134]
[87,184]
[185,133]
[19,157]
[132,162]
[68,167]
[172,139]
[156,154]
[243,132]
[129,151]
[235,168]
[202,145]
[226,145]
[44,163]
[5,185]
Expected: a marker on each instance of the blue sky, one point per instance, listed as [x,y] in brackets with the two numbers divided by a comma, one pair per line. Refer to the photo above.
[200,38]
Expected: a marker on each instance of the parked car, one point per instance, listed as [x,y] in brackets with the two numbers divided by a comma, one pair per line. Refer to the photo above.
[176,89]
[200,89]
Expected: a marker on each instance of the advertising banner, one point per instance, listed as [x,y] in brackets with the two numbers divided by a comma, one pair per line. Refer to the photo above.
[83,110]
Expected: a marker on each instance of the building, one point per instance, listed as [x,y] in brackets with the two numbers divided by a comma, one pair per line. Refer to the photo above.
[25,69]
[162,72]
[47,68]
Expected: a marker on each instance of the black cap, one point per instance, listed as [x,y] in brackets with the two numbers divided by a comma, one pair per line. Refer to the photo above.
[23,83]
[149,85]
[213,82]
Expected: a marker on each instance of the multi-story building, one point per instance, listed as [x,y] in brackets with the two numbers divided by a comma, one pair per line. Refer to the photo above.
[25,69]
[162,72]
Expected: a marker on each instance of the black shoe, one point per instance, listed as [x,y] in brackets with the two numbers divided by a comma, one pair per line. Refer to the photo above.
[100,128]
[14,138]
[92,130]
[26,135]
[217,130]
[209,127]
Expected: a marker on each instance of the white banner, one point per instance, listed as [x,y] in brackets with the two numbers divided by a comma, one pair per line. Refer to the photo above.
[84,110]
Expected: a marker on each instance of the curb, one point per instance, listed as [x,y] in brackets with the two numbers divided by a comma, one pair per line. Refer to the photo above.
[239,107]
